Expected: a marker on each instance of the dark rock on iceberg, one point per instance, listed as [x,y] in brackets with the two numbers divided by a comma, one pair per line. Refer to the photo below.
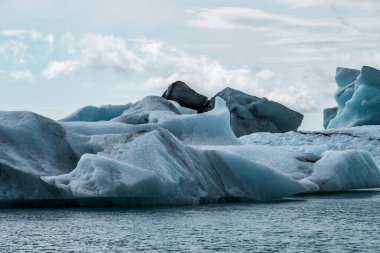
[185,96]
[250,114]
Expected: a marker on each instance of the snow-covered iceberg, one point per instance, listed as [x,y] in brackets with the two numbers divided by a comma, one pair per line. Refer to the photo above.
[358,98]
[157,152]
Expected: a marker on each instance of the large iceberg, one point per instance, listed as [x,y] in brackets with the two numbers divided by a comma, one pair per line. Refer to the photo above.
[157,152]
[358,98]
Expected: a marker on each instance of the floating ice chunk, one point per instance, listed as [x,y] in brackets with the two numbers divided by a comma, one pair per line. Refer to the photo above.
[93,113]
[359,101]
[154,154]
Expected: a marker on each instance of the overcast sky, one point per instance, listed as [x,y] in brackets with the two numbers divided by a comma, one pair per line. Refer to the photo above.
[57,56]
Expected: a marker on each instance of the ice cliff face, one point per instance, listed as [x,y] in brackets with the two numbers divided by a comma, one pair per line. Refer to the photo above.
[358,99]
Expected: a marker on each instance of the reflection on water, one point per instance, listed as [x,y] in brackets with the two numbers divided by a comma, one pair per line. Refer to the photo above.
[342,222]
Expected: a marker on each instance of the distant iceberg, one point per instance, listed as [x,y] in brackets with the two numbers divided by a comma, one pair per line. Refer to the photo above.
[358,98]
[157,152]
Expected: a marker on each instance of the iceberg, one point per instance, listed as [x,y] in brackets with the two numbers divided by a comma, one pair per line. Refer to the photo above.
[358,98]
[157,152]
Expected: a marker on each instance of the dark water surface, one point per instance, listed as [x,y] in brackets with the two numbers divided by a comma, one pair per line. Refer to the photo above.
[346,222]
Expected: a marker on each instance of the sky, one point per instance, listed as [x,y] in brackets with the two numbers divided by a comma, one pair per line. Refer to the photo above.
[57,56]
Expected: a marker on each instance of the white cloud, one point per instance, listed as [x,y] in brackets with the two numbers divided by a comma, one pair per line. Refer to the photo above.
[95,51]
[22,34]
[252,19]
[21,75]
[157,65]
[377,58]
[58,68]
[14,51]
[152,48]
[339,34]
[209,76]
[362,4]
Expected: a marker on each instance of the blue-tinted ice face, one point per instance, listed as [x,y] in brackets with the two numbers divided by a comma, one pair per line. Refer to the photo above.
[358,101]
[345,78]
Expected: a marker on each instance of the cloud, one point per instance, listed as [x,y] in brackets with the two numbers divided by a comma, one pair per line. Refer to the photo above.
[14,51]
[59,68]
[209,76]
[251,19]
[21,75]
[95,51]
[28,34]
[22,34]
[293,34]
[156,65]
[363,4]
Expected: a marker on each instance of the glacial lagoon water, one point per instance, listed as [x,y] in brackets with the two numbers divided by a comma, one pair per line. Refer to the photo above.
[343,222]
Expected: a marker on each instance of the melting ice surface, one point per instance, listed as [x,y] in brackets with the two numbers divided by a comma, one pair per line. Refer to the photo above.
[155,152]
